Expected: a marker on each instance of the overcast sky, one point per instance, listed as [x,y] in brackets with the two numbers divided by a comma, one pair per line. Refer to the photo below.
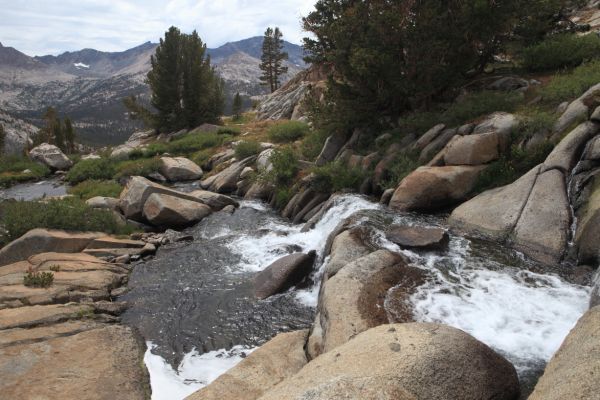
[39,27]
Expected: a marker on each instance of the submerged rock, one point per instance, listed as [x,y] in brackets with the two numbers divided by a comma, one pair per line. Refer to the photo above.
[404,361]
[283,274]
[418,237]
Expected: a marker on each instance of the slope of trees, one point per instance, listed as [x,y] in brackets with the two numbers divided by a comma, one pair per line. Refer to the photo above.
[186,91]
[272,59]
[390,57]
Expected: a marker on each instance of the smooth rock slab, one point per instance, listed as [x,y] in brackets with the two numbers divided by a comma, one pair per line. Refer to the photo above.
[99,364]
[173,212]
[418,237]
[494,213]
[43,241]
[573,371]
[543,228]
[404,361]
[283,274]
[473,149]
[566,154]
[276,360]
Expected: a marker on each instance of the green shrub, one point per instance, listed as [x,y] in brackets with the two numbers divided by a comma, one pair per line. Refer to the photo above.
[229,130]
[283,195]
[141,167]
[288,132]
[510,168]
[403,164]
[102,168]
[312,144]
[193,142]
[92,188]
[247,148]
[335,176]
[12,167]
[285,167]
[71,214]
[568,86]
[38,279]
[201,157]
[54,268]
[535,121]
[561,51]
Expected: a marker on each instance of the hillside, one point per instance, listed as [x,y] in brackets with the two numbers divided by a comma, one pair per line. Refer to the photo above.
[89,85]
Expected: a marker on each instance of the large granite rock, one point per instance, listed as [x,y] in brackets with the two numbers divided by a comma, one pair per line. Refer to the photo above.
[177,169]
[578,110]
[431,188]
[331,148]
[102,363]
[226,180]
[573,371]
[168,211]
[276,360]
[51,156]
[587,236]
[352,300]
[283,274]
[215,201]
[543,228]
[404,361]
[568,152]
[44,241]
[473,149]
[346,247]
[136,192]
[495,213]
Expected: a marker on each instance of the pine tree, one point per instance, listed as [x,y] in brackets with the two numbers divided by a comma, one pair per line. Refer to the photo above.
[69,134]
[266,59]
[2,139]
[280,56]
[186,91]
[236,109]
[165,81]
[51,119]
[58,135]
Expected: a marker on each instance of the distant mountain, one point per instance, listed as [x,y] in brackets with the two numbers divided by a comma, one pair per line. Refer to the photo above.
[89,85]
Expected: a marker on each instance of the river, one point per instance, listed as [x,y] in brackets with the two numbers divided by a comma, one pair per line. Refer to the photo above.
[194,302]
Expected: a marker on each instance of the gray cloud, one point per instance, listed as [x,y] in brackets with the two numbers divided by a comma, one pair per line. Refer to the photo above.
[38,27]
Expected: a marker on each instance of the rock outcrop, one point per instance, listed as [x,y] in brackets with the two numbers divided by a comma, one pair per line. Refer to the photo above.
[276,360]
[404,361]
[573,371]
[51,156]
[417,237]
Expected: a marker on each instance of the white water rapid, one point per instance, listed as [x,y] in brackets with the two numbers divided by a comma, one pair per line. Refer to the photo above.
[486,291]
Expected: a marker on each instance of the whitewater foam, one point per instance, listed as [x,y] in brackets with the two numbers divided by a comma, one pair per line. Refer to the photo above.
[194,372]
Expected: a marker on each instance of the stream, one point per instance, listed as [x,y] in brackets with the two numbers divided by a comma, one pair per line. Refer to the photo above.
[194,305]
[34,190]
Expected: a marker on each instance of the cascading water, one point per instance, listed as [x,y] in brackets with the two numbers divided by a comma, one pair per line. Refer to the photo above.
[194,299]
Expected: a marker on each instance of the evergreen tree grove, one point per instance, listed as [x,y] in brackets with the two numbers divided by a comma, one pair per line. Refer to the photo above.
[236,109]
[69,134]
[272,59]
[186,90]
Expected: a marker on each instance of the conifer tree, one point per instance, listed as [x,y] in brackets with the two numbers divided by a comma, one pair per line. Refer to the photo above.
[2,139]
[272,59]
[236,109]
[51,119]
[69,134]
[186,91]
[58,135]
[165,81]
